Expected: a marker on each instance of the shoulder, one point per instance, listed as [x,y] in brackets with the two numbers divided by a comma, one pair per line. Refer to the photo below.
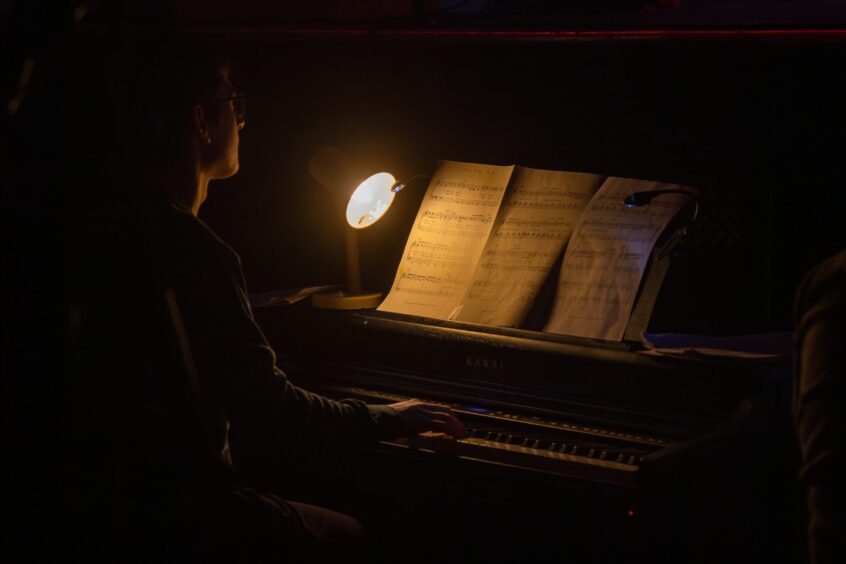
[190,241]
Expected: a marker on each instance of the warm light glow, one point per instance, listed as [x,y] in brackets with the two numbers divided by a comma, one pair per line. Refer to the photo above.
[370,200]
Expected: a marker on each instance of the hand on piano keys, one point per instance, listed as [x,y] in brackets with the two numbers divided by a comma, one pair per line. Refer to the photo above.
[419,417]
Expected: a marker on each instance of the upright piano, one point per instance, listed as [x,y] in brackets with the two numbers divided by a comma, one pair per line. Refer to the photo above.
[582,449]
[579,450]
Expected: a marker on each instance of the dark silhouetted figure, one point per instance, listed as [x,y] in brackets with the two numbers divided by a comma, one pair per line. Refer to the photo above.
[172,393]
[820,406]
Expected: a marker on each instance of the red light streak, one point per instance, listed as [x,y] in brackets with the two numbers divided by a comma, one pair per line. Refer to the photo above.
[809,33]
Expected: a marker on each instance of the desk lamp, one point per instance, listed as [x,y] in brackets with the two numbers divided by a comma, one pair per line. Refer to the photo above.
[362,198]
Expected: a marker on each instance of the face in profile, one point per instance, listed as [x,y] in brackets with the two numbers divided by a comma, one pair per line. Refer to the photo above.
[221,154]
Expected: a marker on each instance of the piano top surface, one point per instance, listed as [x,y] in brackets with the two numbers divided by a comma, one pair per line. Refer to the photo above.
[544,372]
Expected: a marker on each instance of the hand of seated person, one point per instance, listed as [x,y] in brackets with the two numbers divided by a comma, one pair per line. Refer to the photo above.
[418,417]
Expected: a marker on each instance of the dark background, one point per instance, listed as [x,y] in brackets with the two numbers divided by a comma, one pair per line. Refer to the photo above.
[755,123]
[754,119]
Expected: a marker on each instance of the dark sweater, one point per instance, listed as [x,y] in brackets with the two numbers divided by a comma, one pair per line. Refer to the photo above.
[196,375]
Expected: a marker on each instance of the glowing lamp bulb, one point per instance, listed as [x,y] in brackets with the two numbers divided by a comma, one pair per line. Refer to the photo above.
[370,200]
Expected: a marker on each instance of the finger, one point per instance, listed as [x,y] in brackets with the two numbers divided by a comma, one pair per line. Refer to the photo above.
[433,407]
[444,415]
[454,424]
[423,415]
[427,425]
[448,425]
[456,428]
[406,404]
[434,412]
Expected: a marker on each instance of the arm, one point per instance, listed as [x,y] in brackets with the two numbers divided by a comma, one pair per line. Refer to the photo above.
[266,411]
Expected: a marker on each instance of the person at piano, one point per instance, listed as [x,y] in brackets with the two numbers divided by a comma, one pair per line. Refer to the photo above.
[185,120]
[820,406]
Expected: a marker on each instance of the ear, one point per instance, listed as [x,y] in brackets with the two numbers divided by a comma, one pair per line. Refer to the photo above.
[201,125]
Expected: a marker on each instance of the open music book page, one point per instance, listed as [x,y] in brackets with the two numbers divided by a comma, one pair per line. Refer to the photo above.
[449,233]
[537,217]
[606,257]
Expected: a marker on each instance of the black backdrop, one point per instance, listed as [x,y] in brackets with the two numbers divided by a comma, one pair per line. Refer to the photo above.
[754,122]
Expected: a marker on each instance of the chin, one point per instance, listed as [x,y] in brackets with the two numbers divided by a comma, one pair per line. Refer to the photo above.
[232,170]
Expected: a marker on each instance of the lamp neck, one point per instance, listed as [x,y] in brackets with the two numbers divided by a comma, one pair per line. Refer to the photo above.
[399,185]
[353,267]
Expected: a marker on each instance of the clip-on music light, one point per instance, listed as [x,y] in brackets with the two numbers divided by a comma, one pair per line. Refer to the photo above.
[638,199]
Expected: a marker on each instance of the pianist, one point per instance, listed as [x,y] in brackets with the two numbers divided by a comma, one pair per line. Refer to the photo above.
[184,118]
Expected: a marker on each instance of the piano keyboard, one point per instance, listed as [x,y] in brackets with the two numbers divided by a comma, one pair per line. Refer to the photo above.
[567,449]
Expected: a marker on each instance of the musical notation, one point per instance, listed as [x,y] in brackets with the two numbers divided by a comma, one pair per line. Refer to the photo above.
[451,199]
[436,229]
[424,253]
[489,294]
[427,284]
[556,224]
[452,226]
[486,237]
[517,255]
[606,260]
[464,185]
[591,254]
[532,228]
[451,216]
[448,223]
[548,197]
[616,224]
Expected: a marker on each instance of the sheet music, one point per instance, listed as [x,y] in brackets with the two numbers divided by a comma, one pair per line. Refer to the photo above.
[606,258]
[537,218]
[449,233]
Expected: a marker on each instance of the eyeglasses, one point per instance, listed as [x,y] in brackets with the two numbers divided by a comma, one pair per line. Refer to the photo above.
[239,106]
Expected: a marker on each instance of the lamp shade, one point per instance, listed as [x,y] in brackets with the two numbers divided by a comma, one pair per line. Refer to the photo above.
[363,197]
[370,200]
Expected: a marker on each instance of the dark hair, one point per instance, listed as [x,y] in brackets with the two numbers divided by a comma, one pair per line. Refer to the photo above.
[165,77]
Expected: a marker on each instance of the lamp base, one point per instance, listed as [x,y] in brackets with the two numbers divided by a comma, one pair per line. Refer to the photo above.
[342,300]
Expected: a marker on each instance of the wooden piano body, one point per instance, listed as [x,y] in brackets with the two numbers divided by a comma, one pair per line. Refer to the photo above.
[593,450]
